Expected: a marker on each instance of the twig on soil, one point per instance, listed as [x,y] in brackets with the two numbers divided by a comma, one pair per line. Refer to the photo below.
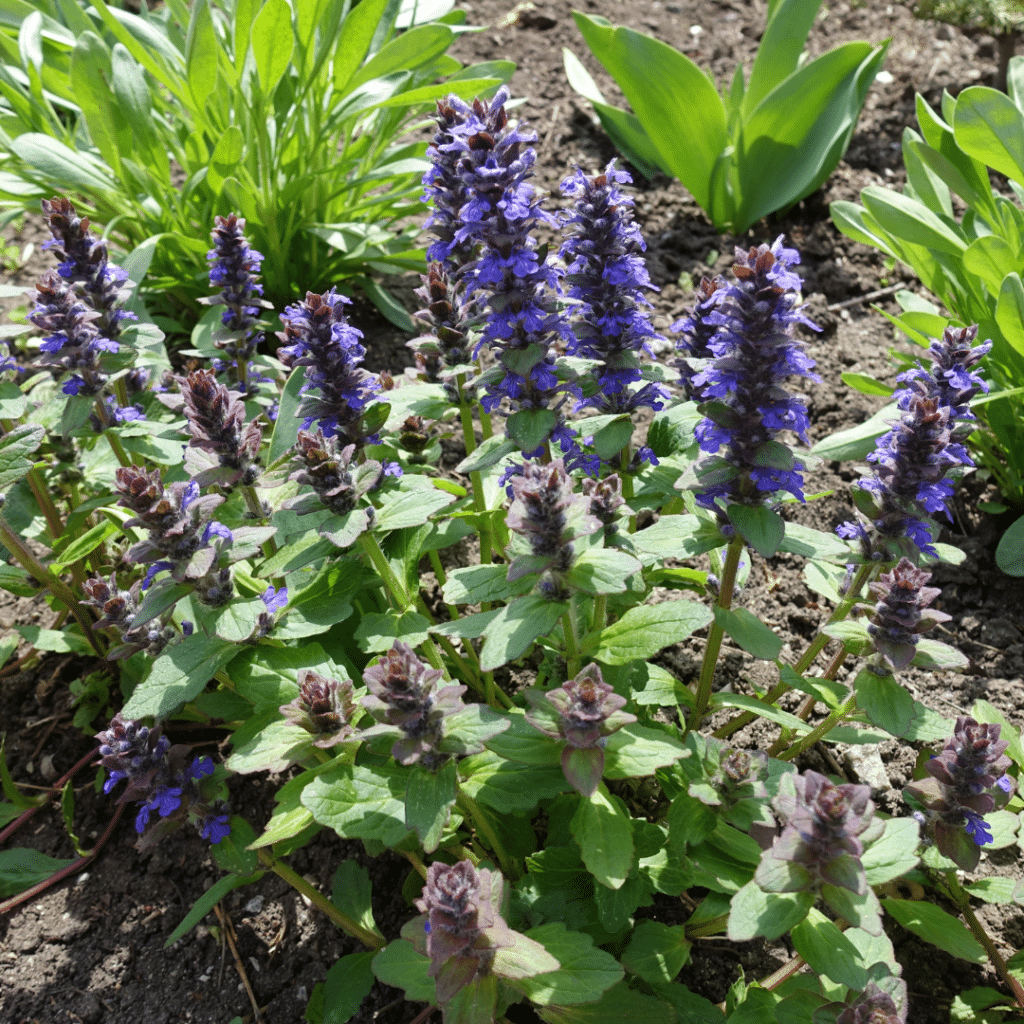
[878,293]
[228,929]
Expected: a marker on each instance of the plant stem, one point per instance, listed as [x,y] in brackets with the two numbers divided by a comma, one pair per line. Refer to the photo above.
[600,616]
[321,902]
[572,647]
[116,447]
[863,576]
[40,492]
[963,902]
[820,731]
[713,647]
[484,827]
[370,547]
[809,704]
[476,478]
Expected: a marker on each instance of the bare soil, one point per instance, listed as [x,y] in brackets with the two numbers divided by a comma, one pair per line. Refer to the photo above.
[93,950]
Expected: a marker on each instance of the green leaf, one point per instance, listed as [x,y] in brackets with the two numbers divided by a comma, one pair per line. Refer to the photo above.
[286,426]
[361,803]
[886,703]
[1010,552]
[90,72]
[828,951]
[635,751]
[475,584]
[202,53]
[21,868]
[277,746]
[934,925]
[351,892]
[785,35]
[645,630]
[759,526]
[690,1008]
[767,711]
[585,972]
[84,545]
[398,964]
[1009,306]
[601,827]
[232,853]
[429,797]
[656,952]
[750,632]
[620,1003]
[179,675]
[59,641]
[530,428]
[508,786]
[987,713]
[14,446]
[272,42]
[990,128]
[911,222]
[514,629]
[378,631]
[490,452]
[208,901]
[602,571]
[866,385]
[674,100]
[411,508]
[894,853]
[754,913]
[347,984]
[856,442]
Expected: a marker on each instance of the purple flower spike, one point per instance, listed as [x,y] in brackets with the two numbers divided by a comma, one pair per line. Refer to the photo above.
[404,697]
[872,1006]
[85,261]
[325,708]
[582,712]
[967,781]
[607,275]
[697,331]
[898,619]
[746,407]
[317,335]
[823,839]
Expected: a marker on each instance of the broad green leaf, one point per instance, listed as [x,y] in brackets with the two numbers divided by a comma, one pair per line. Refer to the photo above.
[761,527]
[287,424]
[508,786]
[991,259]
[585,972]
[351,892]
[347,984]
[398,964]
[178,675]
[404,53]
[1009,310]
[429,797]
[934,925]
[601,827]
[602,571]
[226,156]
[768,711]
[361,803]
[232,852]
[866,385]
[886,703]
[475,584]
[90,71]
[656,952]
[208,901]
[14,447]
[276,747]
[64,167]
[378,631]
[754,913]
[523,743]
[912,222]
[856,442]
[636,750]
[272,42]
[21,868]
[989,127]
[411,508]
[645,630]
[986,712]
[679,536]
[690,1008]
[514,629]
[674,101]
[894,854]
[1010,551]
[828,951]
[749,632]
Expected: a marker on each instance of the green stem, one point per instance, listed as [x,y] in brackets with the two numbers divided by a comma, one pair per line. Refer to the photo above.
[41,493]
[476,478]
[864,574]
[627,482]
[483,826]
[116,447]
[572,647]
[726,589]
[786,736]
[600,616]
[370,547]
[322,903]
[820,731]
[44,577]
[963,902]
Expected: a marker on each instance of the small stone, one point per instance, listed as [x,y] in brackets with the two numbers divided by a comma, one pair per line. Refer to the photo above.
[999,632]
[46,768]
[255,905]
[865,763]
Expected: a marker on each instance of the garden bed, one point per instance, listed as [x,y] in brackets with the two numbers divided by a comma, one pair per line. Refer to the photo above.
[92,950]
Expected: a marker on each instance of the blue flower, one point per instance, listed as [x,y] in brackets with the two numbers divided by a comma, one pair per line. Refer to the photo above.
[215,827]
[153,570]
[274,600]
[215,529]
[754,352]
[115,778]
[977,828]
[200,768]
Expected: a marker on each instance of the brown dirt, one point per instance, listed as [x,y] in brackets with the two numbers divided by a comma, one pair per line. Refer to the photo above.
[92,950]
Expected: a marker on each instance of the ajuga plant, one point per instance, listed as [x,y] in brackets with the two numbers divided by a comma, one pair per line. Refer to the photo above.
[574,817]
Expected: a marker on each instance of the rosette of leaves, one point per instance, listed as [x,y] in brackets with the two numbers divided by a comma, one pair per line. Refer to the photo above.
[581,713]
[967,781]
[472,950]
[339,484]
[730,780]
